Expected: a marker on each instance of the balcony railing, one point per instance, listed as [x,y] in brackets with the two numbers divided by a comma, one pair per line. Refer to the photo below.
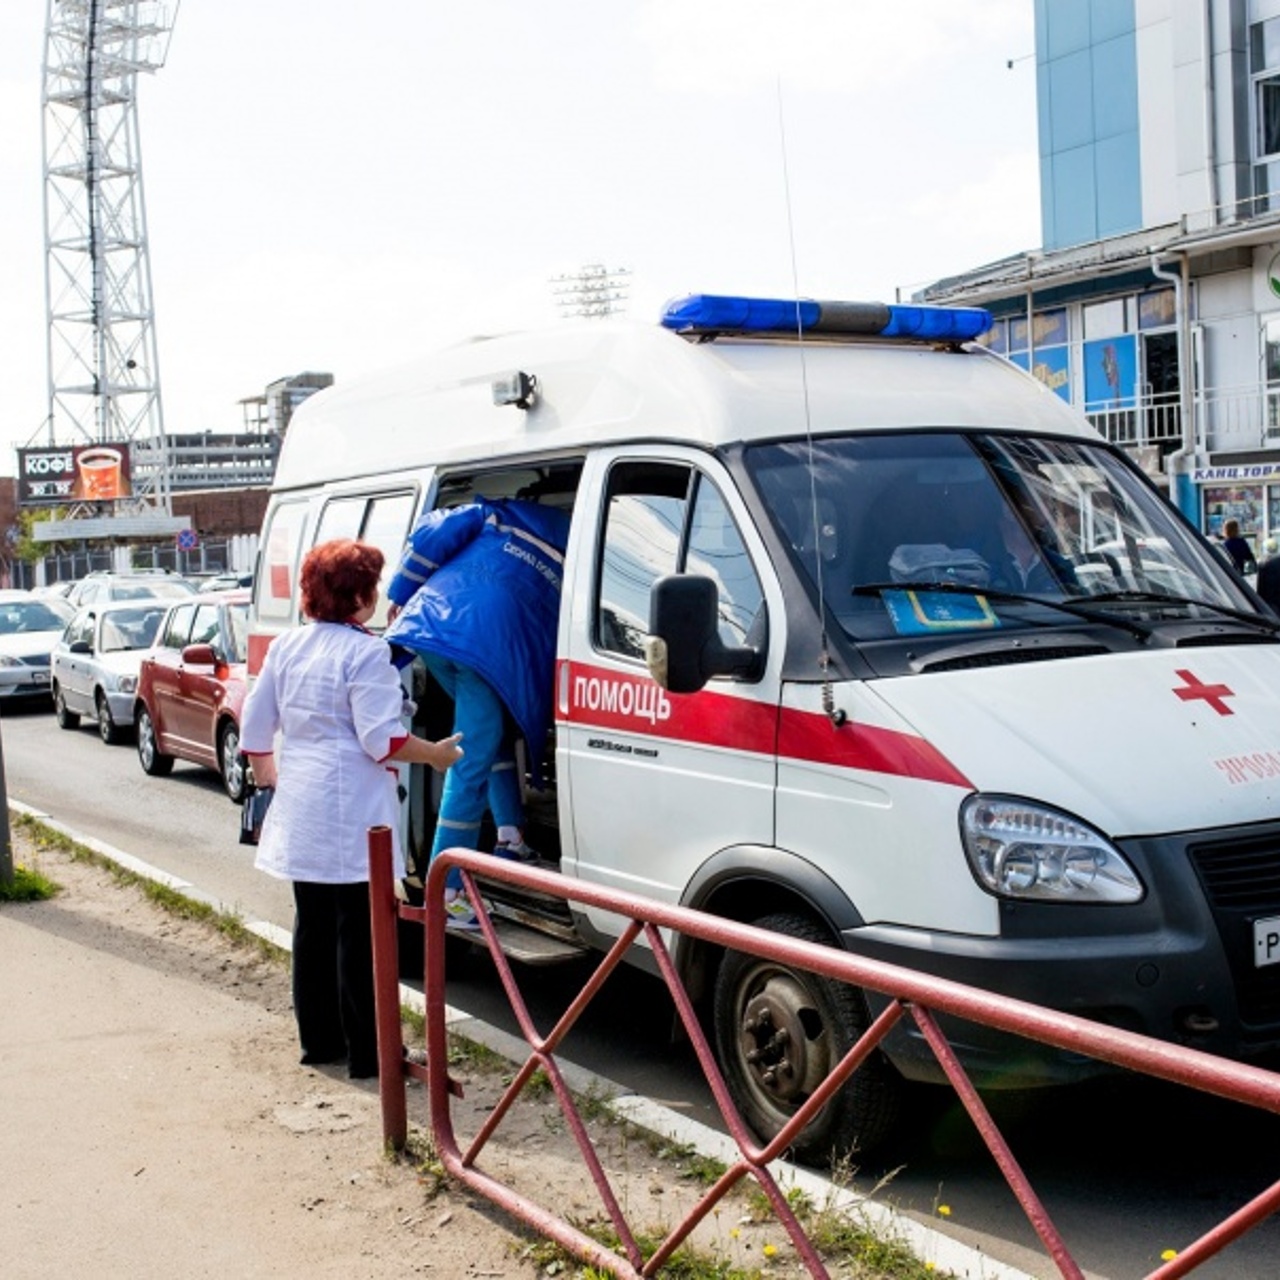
[1144,420]
[1232,418]
[1227,419]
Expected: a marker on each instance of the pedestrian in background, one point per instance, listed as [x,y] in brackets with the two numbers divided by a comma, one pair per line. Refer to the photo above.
[1237,548]
[1269,574]
[477,595]
[332,693]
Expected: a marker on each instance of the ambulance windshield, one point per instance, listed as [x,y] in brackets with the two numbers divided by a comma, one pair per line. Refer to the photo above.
[1010,530]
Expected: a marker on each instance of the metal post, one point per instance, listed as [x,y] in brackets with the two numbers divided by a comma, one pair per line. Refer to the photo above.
[386,989]
[6,839]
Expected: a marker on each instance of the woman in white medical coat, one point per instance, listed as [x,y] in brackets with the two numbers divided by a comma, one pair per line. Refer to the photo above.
[331,693]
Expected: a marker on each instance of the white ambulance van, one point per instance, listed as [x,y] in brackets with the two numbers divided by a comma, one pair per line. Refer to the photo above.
[867,638]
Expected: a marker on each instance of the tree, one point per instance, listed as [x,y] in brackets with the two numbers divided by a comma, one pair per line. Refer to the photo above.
[25,547]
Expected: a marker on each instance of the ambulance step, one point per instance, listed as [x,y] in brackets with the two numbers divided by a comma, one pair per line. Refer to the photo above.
[541,911]
[528,946]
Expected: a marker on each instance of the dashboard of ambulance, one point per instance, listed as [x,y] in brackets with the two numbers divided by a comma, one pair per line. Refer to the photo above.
[940,550]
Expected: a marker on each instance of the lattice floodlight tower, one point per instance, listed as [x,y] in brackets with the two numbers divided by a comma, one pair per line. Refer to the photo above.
[592,290]
[104,378]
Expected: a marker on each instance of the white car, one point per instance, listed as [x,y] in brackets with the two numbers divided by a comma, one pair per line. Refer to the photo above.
[29,628]
[95,663]
[98,588]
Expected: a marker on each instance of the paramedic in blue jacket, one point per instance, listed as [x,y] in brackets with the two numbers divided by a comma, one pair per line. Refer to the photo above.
[477,595]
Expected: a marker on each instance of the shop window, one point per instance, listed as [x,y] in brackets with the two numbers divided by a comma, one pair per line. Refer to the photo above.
[1105,319]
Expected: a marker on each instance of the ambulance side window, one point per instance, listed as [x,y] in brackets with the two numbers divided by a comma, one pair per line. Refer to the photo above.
[716,551]
[383,520]
[273,588]
[663,518]
[340,519]
[644,519]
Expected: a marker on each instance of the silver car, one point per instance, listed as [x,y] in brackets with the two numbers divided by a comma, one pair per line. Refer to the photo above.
[95,663]
[29,628]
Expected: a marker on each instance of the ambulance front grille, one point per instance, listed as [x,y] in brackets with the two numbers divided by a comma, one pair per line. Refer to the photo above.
[1241,879]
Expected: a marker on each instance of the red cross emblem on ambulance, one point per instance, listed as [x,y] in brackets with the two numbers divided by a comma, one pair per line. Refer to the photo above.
[1214,694]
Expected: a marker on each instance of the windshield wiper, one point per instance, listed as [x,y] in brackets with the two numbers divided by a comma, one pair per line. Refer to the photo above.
[1159,597]
[1077,609]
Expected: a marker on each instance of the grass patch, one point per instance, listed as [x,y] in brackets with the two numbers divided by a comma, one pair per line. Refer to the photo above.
[597,1102]
[538,1085]
[414,1022]
[476,1056]
[685,1264]
[175,903]
[420,1151]
[28,886]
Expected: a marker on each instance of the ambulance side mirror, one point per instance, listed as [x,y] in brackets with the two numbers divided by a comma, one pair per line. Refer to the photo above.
[683,649]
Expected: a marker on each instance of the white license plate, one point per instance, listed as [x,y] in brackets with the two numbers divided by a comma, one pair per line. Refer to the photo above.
[1266,941]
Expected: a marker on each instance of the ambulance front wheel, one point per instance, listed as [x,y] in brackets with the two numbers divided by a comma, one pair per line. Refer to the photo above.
[779,1033]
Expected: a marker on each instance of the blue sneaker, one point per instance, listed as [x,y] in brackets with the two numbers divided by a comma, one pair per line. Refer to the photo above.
[517,852]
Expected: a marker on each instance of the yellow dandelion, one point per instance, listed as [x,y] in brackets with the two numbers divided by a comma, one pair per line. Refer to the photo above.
[769,1250]
[1168,1255]
[928,1266]
[734,1234]
[944,1210]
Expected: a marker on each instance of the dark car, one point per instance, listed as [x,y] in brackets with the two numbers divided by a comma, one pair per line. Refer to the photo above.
[191,687]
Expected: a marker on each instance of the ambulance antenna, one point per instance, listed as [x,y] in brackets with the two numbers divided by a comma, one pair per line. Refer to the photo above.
[833,713]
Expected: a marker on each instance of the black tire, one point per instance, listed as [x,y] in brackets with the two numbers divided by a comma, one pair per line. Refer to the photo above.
[66,719]
[152,759]
[230,762]
[108,730]
[779,1032]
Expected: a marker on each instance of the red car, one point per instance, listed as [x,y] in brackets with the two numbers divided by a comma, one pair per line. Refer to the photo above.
[191,687]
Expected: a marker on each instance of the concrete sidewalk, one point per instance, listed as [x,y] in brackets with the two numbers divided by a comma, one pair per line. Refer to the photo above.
[158,1123]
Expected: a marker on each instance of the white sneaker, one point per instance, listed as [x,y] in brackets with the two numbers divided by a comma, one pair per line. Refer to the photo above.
[457,911]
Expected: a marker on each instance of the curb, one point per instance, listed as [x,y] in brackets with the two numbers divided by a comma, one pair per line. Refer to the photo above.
[947,1254]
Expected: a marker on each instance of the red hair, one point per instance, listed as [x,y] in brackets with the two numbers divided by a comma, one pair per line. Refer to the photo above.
[338,577]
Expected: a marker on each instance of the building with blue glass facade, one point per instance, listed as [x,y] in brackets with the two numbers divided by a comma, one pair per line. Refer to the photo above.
[1153,302]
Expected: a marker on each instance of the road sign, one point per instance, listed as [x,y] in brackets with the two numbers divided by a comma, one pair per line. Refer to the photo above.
[188,540]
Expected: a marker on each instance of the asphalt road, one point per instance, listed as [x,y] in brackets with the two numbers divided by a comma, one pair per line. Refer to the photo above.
[1125,1168]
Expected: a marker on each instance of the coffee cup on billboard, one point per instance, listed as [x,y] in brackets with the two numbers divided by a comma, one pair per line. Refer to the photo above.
[99,473]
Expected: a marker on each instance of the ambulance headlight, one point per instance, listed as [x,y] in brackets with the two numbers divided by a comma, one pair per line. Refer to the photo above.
[1018,849]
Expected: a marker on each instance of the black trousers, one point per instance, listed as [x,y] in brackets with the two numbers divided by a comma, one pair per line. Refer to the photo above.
[333,975]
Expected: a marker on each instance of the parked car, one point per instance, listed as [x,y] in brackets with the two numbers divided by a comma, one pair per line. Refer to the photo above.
[99,587]
[29,628]
[224,581]
[95,663]
[61,589]
[191,686]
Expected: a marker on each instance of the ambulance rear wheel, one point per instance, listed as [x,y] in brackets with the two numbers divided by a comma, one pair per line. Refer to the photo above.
[779,1033]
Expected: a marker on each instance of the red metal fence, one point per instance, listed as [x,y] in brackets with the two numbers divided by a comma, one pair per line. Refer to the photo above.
[911,994]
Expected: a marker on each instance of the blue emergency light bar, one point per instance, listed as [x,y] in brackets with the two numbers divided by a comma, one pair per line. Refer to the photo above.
[704,313]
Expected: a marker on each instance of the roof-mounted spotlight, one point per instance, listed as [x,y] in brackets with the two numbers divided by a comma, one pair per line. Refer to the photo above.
[518,388]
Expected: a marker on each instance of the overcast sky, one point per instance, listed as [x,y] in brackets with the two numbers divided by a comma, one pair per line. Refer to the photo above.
[339,187]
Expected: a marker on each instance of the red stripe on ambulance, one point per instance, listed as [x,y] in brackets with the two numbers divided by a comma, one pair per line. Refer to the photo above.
[256,651]
[604,699]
